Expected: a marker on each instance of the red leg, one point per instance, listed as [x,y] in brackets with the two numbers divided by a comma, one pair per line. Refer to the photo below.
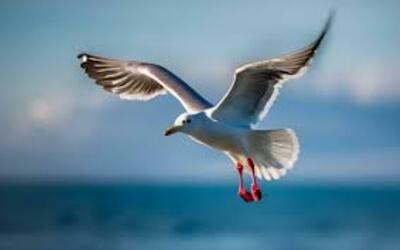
[245,195]
[255,190]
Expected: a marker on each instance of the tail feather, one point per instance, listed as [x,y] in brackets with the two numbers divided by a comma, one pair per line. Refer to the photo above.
[273,151]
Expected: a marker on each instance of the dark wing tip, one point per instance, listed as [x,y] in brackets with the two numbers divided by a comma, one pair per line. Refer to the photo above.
[81,55]
[325,30]
[84,56]
[312,48]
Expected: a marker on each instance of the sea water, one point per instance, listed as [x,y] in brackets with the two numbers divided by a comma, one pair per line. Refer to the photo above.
[133,216]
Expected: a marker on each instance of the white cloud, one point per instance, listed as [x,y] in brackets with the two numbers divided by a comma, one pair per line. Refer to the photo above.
[373,84]
[363,84]
[372,165]
[49,110]
[42,112]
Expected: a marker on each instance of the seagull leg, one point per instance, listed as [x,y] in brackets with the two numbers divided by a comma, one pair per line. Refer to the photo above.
[255,190]
[245,195]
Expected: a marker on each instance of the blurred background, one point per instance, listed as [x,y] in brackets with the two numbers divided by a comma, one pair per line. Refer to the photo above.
[80,169]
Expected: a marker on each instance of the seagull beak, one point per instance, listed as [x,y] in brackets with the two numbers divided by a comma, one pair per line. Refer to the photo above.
[171,130]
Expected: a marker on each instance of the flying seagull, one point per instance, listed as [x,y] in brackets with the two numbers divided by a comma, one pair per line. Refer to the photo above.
[228,125]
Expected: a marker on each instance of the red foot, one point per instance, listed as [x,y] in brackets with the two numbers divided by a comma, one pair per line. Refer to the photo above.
[256,192]
[246,196]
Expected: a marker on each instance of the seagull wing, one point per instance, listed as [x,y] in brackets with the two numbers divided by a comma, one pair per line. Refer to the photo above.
[135,80]
[256,85]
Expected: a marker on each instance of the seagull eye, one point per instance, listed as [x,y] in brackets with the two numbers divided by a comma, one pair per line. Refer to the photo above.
[183,122]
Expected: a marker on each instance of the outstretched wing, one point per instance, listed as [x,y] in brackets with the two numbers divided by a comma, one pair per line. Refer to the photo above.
[140,81]
[256,85]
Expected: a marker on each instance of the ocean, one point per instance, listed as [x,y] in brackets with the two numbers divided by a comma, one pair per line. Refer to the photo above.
[172,216]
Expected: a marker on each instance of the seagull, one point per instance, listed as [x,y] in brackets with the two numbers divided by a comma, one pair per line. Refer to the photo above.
[227,126]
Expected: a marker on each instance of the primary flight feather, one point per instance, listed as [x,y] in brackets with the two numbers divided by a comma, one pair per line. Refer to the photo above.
[226,126]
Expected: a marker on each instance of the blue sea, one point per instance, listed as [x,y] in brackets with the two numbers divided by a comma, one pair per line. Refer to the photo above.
[206,217]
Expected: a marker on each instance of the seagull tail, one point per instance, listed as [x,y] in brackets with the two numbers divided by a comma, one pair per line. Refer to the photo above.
[273,151]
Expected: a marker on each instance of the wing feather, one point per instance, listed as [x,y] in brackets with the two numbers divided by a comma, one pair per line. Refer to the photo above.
[256,85]
[134,80]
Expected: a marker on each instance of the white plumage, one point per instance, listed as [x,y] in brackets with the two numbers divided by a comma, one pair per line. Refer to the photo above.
[274,152]
[227,126]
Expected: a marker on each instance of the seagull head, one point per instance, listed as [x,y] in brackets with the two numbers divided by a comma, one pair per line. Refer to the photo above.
[185,123]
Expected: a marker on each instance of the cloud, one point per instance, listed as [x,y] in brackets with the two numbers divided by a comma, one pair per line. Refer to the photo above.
[372,165]
[368,84]
[374,84]
[45,112]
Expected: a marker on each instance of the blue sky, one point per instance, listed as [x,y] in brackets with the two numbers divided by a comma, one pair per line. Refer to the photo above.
[56,124]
